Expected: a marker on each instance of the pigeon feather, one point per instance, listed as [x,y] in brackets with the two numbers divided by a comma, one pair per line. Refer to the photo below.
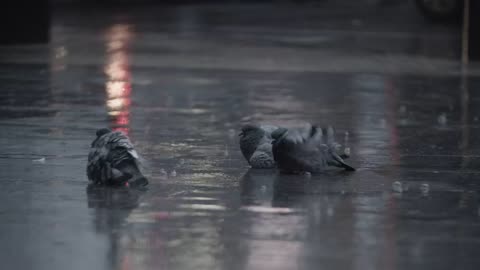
[113,160]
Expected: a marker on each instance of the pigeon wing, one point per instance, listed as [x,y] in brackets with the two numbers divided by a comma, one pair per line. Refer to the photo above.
[301,149]
[106,153]
[121,141]
[97,159]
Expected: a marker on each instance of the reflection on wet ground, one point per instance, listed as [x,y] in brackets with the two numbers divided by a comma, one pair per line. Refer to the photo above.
[183,88]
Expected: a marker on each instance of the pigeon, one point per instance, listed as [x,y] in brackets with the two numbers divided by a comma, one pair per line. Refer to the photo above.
[113,161]
[256,145]
[305,150]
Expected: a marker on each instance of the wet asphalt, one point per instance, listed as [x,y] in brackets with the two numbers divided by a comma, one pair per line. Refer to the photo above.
[181,80]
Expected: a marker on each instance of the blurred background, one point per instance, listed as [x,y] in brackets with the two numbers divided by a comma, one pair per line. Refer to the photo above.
[396,78]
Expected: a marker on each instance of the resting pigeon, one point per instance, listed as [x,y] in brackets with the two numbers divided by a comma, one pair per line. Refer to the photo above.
[256,145]
[113,161]
[305,150]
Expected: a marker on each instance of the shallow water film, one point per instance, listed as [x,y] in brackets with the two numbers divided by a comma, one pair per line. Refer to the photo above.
[181,80]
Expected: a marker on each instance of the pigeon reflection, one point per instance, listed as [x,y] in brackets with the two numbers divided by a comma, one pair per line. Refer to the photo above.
[318,194]
[270,188]
[257,187]
[112,205]
[111,208]
[296,207]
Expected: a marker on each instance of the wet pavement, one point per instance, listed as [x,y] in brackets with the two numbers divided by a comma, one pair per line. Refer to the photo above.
[181,80]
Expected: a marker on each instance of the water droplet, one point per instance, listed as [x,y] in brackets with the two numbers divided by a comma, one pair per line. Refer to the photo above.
[330,212]
[357,22]
[246,118]
[60,52]
[383,122]
[232,133]
[346,139]
[397,187]
[442,119]
[213,118]
[424,188]
[39,161]
[403,122]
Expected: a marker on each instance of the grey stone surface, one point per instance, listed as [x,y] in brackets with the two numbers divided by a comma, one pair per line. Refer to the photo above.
[181,80]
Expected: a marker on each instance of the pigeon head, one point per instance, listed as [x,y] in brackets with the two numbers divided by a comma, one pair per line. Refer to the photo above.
[103,131]
[249,129]
[250,137]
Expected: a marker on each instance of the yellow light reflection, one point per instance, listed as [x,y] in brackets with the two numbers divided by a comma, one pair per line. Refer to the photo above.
[116,89]
[117,104]
[114,45]
[118,66]
[118,85]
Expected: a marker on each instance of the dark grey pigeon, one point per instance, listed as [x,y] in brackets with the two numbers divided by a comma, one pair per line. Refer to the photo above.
[256,145]
[113,161]
[306,150]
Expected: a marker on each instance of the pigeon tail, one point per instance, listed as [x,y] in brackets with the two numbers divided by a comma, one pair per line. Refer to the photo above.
[129,168]
[139,181]
[342,163]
